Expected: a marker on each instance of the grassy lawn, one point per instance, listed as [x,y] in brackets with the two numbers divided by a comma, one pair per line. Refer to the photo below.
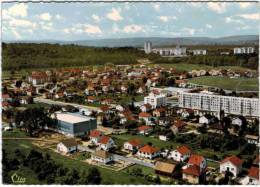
[188,67]
[239,84]
[14,133]
[212,164]
[120,139]
[108,176]
[38,105]
[145,170]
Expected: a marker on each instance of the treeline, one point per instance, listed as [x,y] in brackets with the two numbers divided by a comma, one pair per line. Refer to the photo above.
[248,61]
[46,169]
[17,56]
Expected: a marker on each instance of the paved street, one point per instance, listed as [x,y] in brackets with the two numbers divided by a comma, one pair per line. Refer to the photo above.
[51,102]
[119,157]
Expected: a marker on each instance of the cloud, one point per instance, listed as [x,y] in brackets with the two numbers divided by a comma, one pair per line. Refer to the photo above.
[217,7]
[59,17]
[83,28]
[115,28]
[45,16]
[96,18]
[191,31]
[17,10]
[194,4]
[232,20]
[245,5]
[254,16]
[156,7]
[243,27]
[208,26]
[15,23]
[92,29]
[133,28]
[16,34]
[114,15]
[166,18]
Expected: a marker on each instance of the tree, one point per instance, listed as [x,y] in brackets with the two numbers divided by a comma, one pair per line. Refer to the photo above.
[94,176]
[157,180]
[137,172]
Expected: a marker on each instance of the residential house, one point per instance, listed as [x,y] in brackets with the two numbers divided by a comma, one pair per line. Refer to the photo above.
[187,113]
[159,112]
[145,130]
[207,119]
[181,83]
[237,121]
[252,139]
[146,107]
[106,143]
[180,154]
[178,126]
[95,136]
[164,137]
[102,157]
[91,99]
[232,164]
[164,168]
[67,146]
[148,151]
[6,97]
[194,172]
[253,176]
[132,145]
[145,116]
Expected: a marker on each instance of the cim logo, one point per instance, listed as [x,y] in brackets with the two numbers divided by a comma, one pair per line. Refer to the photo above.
[18,179]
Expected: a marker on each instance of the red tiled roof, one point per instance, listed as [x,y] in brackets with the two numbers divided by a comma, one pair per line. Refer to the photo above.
[233,159]
[196,159]
[149,149]
[254,172]
[183,150]
[144,127]
[179,124]
[5,96]
[160,109]
[180,81]
[95,133]
[135,142]
[104,139]
[91,97]
[147,105]
[5,103]
[192,170]
[144,115]
[129,117]
[104,108]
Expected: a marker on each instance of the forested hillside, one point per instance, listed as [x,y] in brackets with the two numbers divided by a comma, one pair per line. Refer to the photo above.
[17,55]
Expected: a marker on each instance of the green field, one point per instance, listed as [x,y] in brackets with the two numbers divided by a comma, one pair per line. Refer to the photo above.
[189,67]
[236,84]
[108,176]
[120,139]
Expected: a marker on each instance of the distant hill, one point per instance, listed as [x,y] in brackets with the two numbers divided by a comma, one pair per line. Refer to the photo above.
[158,41]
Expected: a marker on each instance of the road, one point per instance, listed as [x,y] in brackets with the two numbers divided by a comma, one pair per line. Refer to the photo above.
[139,162]
[119,157]
[51,102]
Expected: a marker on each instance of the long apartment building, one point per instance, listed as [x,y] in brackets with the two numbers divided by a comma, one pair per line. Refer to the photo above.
[244,50]
[215,103]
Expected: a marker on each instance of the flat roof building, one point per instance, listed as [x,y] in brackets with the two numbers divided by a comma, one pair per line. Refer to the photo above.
[72,124]
[210,102]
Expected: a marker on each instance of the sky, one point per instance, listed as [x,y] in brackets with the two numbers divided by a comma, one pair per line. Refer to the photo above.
[88,20]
